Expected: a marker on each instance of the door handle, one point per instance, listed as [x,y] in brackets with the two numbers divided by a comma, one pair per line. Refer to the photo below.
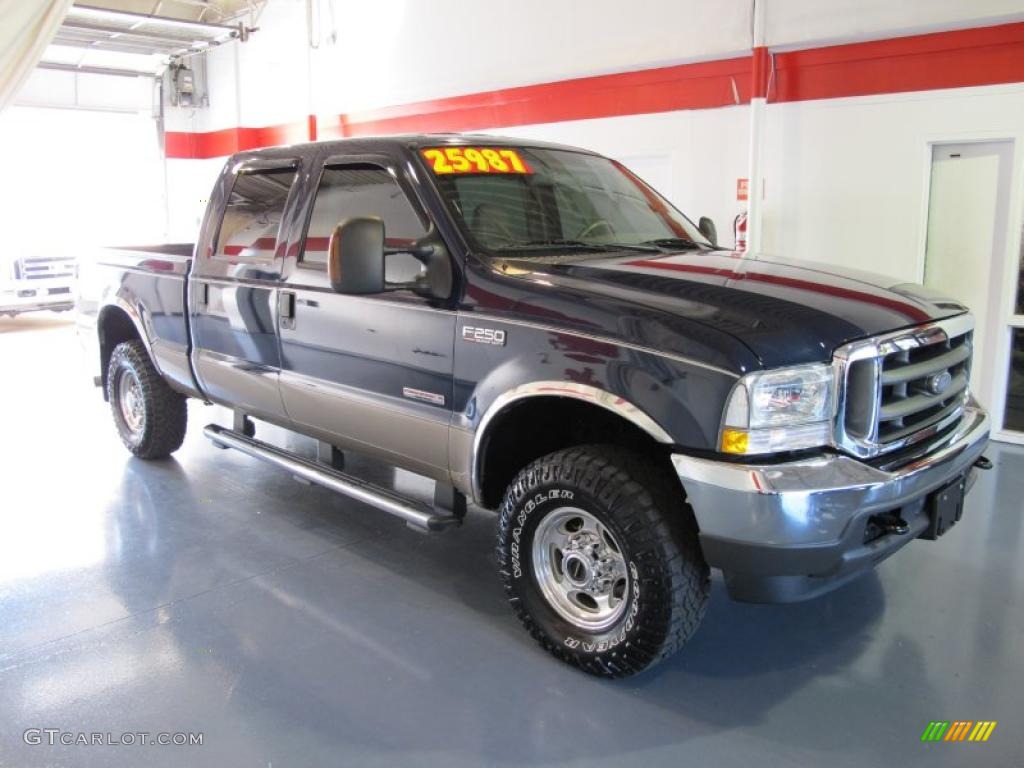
[286,309]
[202,295]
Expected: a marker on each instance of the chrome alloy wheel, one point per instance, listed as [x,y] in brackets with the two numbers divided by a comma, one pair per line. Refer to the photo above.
[580,569]
[129,396]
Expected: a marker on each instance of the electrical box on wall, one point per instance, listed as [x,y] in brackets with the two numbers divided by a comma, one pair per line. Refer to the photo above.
[185,83]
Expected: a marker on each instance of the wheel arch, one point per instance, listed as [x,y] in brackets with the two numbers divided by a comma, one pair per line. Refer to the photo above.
[116,323]
[508,438]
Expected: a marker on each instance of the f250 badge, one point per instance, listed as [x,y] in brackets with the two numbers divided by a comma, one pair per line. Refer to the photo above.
[483,335]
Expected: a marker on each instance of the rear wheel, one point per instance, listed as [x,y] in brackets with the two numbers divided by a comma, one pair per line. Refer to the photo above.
[151,418]
[600,560]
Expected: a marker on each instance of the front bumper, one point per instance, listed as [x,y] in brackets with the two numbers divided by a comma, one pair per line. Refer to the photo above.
[37,296]
[791,531]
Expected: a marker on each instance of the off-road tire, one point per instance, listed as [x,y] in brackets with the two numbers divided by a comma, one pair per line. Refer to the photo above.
[164,411]
[645,511]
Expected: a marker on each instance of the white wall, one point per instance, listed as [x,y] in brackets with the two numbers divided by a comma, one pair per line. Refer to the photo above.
[395,51]
[847,179]
[791,22]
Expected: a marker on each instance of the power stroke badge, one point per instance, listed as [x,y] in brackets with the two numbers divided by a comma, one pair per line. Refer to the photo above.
[493,336]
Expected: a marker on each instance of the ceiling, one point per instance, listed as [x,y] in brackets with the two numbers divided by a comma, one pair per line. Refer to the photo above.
[215,12]
[139,37]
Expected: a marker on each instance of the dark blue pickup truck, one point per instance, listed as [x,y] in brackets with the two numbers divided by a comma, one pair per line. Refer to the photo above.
[540,332]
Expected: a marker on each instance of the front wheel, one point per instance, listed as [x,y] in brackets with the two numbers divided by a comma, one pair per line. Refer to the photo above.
[151,418]
[600,560]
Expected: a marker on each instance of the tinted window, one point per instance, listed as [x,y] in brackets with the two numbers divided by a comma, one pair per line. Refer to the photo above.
[253,214]
[350,191]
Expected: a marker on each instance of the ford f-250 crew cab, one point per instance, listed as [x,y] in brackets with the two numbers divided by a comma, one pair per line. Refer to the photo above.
[536,329]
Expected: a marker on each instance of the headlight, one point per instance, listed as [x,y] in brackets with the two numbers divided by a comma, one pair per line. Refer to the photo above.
[782,410]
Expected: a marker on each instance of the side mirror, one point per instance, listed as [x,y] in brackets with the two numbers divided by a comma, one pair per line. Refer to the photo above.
[355,256]
[707,228]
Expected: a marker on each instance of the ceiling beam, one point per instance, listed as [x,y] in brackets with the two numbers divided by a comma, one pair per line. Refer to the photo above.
[58,66]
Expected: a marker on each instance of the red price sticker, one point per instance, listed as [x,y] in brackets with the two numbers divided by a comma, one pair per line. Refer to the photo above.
[447,160]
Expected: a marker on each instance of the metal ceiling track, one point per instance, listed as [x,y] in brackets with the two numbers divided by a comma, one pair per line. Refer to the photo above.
[89,70]
[100,29]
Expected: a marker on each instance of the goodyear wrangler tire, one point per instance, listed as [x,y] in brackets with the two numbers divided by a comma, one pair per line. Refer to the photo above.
[151,418]
[600,560]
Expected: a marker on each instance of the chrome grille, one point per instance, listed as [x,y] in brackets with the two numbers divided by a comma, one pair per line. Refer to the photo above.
[903,387]
[44,268]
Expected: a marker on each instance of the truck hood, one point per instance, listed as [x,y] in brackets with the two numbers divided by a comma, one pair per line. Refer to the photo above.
[784,311]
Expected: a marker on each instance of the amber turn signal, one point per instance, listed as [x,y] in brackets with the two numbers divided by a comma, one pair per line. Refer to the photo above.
[735,440]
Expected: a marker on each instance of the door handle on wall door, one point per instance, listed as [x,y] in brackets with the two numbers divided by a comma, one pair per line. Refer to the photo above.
[286,309]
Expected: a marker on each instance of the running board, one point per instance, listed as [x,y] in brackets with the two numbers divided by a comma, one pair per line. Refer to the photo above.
[417,514]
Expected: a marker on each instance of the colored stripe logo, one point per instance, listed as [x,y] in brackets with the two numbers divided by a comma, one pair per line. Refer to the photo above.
[958,730]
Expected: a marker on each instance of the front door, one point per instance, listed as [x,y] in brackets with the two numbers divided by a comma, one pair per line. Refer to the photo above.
[370,373]
[232,295]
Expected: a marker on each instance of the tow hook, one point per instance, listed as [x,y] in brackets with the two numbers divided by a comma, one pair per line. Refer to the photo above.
[891,522]
[983,462]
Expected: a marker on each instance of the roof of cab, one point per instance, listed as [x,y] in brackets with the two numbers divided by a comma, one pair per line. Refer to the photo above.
[409,141]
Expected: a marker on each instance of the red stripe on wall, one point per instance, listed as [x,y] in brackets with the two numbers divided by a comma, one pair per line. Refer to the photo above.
[760,70]
[199,146]
[966,57]
[960,58]
[687,86]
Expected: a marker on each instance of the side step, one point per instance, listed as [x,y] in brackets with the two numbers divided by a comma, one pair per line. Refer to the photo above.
[417,514]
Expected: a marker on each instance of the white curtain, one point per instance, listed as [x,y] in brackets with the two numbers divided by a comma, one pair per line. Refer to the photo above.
[26,28]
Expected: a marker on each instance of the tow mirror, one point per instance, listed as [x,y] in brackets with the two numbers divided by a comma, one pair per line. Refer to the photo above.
[707,228]
[355,256]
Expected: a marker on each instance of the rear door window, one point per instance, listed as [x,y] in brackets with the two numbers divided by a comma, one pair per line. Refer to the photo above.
[252,216]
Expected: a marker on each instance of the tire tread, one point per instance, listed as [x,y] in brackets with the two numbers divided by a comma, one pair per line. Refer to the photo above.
[166,410]
[663,541]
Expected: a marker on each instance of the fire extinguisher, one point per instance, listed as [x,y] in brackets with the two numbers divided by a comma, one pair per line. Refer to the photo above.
[739,226]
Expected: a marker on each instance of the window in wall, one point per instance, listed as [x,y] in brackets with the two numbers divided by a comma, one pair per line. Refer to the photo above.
[253,214]
[359,190]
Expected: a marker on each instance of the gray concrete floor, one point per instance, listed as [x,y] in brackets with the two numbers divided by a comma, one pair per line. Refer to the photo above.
[211,593]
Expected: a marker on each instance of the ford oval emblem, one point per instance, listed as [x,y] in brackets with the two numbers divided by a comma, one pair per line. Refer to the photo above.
[938,383]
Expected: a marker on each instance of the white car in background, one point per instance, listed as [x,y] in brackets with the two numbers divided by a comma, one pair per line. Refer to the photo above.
[30,283]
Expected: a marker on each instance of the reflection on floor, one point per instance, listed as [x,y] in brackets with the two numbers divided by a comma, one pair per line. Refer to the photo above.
[211,593]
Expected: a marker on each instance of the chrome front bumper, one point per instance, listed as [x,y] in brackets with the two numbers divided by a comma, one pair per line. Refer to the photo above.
[785,532]
[37,297]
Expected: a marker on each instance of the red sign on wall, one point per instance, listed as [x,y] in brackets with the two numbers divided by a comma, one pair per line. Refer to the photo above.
[742,185]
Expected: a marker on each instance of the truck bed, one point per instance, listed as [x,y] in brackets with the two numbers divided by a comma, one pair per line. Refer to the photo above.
[152,277]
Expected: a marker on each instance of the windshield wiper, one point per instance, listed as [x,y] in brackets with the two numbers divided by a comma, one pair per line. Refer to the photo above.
[577,245]
[673,242]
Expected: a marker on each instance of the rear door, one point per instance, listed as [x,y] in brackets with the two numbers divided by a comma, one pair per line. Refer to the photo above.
[372,372]
[234,291]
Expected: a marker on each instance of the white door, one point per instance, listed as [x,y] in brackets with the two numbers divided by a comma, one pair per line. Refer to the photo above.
[968,214]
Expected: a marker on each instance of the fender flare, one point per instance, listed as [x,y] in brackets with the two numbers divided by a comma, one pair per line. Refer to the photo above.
[617,404]
[117,302]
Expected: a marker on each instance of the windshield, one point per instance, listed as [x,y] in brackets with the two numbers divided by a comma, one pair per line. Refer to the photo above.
[522,201]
